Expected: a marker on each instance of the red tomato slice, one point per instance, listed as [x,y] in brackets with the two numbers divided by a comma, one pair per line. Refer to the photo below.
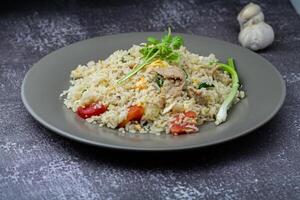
[179,129]
[190,114]
[93,109]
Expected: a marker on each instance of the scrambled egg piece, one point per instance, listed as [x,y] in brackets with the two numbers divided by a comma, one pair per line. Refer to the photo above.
[158,63]
[141,84]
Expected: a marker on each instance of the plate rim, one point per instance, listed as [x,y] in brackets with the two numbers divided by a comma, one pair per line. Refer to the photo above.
[132,148]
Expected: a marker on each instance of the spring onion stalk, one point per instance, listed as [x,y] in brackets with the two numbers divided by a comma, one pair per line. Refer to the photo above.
[230,68]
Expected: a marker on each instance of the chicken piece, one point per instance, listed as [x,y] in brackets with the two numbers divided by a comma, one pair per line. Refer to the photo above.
[172,88]
[170,73]
[174,82]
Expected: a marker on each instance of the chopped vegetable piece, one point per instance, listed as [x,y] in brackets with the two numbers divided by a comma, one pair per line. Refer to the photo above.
[93,109]
[184,123]
[190,114]
[159,79]
[230,68]
[156,49]
[135,113]
[205,85]
[177,129]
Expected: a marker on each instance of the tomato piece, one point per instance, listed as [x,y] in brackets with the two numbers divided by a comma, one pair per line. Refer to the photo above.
[178,127]
[135,113]
[190,114]
[93,109]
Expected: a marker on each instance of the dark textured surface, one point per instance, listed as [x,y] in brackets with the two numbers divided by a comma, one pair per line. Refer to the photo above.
[37,164]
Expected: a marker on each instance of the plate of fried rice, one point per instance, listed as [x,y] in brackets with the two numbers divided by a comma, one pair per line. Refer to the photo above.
[153,91]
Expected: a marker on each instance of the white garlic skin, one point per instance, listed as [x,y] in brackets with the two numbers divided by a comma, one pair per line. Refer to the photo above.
[256,36]
[254,20]
[251,13]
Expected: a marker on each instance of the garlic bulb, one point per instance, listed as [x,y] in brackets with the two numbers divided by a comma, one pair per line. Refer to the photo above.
[255,34]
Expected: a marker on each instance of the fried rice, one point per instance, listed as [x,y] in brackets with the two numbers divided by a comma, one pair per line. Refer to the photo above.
[162,103]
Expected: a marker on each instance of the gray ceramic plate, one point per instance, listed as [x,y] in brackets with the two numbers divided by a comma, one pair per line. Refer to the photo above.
[44,82]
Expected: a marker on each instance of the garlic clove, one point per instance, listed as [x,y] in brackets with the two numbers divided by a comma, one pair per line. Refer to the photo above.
[256,36]
[250,11]
[254,20]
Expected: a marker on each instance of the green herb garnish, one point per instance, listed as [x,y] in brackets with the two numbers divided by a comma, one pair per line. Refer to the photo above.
[205,85]
[163,49]
[159,79]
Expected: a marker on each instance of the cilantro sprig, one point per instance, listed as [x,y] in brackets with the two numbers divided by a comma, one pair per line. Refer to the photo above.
[163,49]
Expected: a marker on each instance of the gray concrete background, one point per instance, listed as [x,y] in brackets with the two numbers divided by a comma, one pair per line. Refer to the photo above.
[37,164]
